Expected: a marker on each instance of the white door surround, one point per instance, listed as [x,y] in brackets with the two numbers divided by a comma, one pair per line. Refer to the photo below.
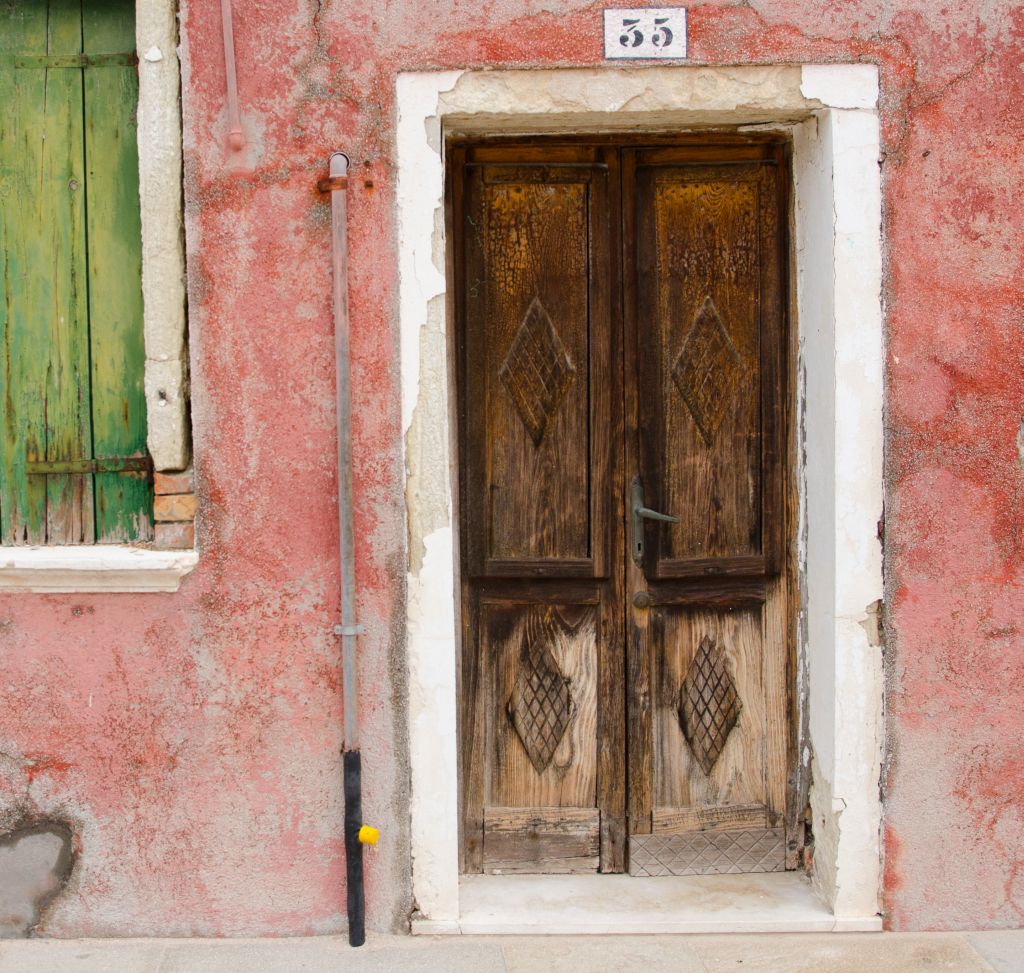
[830,112]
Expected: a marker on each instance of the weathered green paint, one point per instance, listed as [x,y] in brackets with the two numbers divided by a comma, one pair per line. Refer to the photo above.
[124,59]
[105,464]
[61,215]
[123,501]
[71,341]
[25,278]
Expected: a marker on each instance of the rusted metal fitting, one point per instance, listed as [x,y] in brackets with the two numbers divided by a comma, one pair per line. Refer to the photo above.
[331,183]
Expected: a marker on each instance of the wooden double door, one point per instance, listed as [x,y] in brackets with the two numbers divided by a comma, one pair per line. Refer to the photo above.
[622,399]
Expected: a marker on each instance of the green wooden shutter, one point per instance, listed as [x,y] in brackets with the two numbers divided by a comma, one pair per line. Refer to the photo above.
[71,340]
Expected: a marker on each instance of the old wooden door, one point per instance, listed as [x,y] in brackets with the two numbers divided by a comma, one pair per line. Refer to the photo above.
[620,319]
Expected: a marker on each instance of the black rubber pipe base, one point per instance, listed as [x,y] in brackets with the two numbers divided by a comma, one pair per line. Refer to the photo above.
[354,848]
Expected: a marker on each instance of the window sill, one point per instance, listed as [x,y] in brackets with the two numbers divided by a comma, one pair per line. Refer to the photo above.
[93,569]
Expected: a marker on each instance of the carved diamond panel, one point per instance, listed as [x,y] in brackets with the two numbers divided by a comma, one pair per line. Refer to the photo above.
[710,707]
[537,371]
[707,371]
[540,706]
[708,852]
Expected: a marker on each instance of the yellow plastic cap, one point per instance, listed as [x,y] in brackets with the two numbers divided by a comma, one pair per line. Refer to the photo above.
[368,835]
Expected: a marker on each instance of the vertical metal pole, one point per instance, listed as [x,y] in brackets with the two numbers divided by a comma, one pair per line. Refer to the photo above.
[349,628]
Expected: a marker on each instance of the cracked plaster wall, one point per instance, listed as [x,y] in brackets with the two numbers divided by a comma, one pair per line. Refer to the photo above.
[193,738]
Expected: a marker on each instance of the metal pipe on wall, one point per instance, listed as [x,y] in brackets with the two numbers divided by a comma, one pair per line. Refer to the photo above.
[236,138]
[355,833]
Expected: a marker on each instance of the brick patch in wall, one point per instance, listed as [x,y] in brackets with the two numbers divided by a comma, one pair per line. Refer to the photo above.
[175,537]
[174,510]
[167,483]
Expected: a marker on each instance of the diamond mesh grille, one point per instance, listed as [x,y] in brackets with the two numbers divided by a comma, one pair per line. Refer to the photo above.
[710,706]
[708,852]
[540,706]
[537,371]
[707,371]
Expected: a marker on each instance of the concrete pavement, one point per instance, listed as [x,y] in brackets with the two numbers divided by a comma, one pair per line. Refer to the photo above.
[988,952]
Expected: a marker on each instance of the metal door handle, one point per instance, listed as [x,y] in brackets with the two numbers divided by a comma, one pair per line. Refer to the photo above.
[641,513]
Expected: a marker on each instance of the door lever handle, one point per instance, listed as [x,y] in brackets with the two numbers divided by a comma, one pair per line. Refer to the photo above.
[640,514]
[654,515]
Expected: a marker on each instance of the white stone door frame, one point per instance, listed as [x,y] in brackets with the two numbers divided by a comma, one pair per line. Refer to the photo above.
[830,111]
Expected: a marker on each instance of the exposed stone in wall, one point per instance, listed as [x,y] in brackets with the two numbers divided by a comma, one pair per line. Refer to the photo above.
[163,264]
[36,861]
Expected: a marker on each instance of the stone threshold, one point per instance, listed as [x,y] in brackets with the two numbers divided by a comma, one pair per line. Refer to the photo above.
[513,905]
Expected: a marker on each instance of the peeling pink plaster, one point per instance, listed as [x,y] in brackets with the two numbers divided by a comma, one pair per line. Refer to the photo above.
[194,738]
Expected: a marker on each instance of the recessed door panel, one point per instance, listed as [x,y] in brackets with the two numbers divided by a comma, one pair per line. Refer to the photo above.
[543,670]
[530,303]
[707,286]
[702,226]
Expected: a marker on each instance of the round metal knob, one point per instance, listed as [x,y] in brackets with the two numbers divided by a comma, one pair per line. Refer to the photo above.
[642,600]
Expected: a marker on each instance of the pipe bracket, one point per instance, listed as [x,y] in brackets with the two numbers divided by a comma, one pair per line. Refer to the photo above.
[331,183]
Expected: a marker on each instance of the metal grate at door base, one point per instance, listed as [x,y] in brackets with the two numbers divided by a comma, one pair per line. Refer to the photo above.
[708,852]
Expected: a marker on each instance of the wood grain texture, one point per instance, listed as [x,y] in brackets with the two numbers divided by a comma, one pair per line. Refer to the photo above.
[71,324]
[705,315]
[123,501]
[610,496]
[535,342]
[65,385]
[696,234]
[708,300]
[705,268]
[534,839]
[723,817]
[738,776]
[528,374]
[639,729]
[775,675]
[26,301]
[46,394]
[570,635]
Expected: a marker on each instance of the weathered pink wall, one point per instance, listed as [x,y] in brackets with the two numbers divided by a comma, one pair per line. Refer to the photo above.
[192,740]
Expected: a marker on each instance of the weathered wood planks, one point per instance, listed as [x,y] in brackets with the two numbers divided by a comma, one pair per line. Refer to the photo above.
[71,340]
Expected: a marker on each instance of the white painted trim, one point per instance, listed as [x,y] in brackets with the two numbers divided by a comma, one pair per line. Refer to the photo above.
[92,568]
[831,112]
[838,234]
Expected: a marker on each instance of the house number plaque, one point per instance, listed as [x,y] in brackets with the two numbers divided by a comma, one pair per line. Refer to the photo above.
[645,32]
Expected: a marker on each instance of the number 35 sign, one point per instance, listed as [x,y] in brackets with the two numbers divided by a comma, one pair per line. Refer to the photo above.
[643,32]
